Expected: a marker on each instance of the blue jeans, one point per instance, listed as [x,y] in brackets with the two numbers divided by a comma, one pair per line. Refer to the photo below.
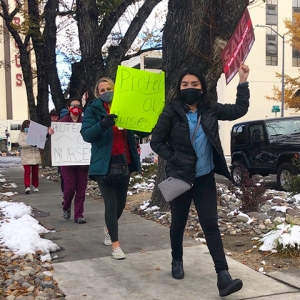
[204,195]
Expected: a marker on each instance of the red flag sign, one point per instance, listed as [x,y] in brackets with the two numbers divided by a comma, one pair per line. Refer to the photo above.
[238,47]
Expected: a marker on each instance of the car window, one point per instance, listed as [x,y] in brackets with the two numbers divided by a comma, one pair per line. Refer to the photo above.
[283,127]
[254,129]
[239,135]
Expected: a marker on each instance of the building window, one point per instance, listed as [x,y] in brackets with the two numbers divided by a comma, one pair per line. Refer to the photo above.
[271,45]
[271,15]
[296,58]
[296,3]
[271,37]
[15,127]
[271,50]
[271,60]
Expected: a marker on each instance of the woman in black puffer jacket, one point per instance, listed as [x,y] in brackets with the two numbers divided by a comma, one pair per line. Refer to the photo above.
[196,162]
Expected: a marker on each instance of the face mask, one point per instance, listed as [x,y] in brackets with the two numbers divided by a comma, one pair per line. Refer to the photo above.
[26,129]
[191,96]
[107,97]
[75,111]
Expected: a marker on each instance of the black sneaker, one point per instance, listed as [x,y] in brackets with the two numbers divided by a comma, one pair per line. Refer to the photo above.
[67,213]
[80,221]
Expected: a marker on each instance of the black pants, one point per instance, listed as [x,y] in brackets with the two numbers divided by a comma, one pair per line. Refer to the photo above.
[114,196]
[205,199]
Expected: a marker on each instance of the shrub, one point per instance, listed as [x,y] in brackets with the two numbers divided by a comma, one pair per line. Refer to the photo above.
[295,180]
[149,171]
[252,191]
[281,239]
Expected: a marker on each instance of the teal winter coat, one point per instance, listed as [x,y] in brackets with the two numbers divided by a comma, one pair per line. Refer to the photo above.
[101,140]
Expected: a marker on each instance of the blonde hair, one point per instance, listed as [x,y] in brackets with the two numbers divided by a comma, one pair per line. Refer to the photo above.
[103,79]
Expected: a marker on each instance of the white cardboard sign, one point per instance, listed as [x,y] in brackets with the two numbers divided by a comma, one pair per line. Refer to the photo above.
[36,135]
[67,145]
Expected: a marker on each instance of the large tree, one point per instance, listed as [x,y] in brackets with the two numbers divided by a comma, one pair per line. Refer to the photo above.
[36,37]
[194,35]
[34,32]
[291,84]
[95,25]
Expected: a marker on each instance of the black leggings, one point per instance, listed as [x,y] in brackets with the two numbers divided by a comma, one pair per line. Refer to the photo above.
[205,199]
[114,196]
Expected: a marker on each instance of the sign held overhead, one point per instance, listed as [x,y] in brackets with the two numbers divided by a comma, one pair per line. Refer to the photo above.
[238,47]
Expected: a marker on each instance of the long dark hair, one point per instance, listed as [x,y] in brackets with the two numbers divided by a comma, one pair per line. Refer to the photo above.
[190,71]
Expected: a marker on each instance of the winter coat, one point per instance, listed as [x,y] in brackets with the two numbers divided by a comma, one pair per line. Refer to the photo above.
[102,140]
[171,135]
[67,118]
[29,155]
[63,113]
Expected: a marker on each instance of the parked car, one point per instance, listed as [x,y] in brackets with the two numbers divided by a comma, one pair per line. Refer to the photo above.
[266,147]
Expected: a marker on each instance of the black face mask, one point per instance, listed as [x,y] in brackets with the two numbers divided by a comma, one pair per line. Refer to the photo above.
[191,96]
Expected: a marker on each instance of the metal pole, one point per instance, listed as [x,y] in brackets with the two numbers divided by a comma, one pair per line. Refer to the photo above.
[282,79]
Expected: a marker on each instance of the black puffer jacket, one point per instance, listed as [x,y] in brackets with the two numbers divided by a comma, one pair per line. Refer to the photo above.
[171,136]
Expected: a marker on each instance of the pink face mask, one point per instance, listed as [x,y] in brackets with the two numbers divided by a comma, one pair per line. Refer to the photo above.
[75,111]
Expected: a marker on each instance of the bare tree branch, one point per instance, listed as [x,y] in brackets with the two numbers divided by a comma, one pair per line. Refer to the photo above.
[66,13]
[132,32]
[141,52]
[109,22]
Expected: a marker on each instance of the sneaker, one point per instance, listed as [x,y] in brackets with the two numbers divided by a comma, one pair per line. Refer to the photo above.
[27,190]
[67,213]
[107,239]
[117,253]
[35,189]
[80,221]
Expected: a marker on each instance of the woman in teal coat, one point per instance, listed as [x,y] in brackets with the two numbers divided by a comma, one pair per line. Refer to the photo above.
[108,143]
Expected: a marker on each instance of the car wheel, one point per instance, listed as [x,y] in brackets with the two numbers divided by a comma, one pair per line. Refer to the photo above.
[236,172]
[284,173]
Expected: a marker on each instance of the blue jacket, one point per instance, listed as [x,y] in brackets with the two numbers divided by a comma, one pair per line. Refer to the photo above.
[101,140]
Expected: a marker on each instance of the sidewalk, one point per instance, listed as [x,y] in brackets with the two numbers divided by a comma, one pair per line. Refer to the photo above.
[85,269]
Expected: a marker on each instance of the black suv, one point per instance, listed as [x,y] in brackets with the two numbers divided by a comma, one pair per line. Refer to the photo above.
[266,147]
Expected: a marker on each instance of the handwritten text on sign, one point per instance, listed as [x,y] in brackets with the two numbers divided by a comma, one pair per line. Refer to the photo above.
[238,47]
[139,98]
[67,146]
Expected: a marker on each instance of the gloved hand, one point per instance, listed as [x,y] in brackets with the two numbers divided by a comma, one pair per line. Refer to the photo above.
[108,121]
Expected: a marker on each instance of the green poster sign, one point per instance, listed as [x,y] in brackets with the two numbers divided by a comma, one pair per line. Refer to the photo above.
[139,98]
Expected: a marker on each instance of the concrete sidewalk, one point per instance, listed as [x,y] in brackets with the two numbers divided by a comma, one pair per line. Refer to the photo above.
[85,269]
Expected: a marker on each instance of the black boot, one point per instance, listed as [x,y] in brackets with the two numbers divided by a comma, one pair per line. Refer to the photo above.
[177,269]
[227,285]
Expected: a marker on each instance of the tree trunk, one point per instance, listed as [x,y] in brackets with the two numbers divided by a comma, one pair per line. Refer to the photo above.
[193,35]
[157,197]
[92,61]
[51,9]
[44,51]
[77,85]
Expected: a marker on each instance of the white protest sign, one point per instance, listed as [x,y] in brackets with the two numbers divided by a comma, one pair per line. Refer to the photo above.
[146,151]
[67,145]
[36,135]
